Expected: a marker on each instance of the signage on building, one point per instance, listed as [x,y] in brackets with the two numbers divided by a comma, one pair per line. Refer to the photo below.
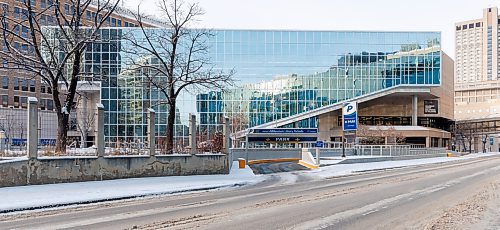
[282,139]
[431,106]
[350,116]
[291,131]
[491,140]
[319,144]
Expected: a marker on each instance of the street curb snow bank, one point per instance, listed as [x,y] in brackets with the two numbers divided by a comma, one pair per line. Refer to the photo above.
[350,169]
[33,197]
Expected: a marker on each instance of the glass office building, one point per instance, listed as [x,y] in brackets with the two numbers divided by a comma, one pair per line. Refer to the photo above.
[278,74]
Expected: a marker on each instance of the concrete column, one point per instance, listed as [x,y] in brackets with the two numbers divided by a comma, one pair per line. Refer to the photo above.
[99,137]
[414,111]
[32,127]
[151,132]
[192,133]
[225,137]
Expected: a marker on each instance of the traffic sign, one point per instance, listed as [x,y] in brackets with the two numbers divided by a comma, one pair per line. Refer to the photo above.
[350,116]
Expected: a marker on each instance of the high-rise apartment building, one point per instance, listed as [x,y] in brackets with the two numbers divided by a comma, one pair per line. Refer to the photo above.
[477,77]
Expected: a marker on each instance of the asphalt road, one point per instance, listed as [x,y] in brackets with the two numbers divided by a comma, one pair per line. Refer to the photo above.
[453,195]
[276,167]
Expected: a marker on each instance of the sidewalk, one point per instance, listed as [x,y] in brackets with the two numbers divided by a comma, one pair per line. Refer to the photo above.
[334,170]
[52,195]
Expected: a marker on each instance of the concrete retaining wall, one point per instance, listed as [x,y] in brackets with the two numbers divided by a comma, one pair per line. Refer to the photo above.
[75,169]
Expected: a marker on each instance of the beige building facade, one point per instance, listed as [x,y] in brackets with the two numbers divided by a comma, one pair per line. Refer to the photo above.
[477,77]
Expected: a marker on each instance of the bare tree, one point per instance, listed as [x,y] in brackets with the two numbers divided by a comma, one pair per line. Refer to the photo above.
[380,135]
[464,133]
[54,54]
[176,59]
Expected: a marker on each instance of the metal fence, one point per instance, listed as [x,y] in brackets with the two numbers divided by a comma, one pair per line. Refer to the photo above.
[13,125]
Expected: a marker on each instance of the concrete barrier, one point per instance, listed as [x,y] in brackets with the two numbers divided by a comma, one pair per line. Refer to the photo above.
[47,170]
[308,159]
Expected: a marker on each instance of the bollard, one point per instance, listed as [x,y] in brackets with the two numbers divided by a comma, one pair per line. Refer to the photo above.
[32,127]
[100,130]
[151,132]
[192,133]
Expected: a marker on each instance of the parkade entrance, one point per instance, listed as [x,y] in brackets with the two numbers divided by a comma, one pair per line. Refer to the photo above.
[281,137]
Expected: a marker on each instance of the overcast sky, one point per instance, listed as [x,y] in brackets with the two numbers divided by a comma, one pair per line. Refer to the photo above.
[385,15]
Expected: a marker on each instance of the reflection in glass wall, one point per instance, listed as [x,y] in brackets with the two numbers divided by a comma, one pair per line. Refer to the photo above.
[284,73]
[278,74]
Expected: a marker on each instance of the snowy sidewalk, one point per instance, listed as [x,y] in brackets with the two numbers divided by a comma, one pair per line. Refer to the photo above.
[347,169]
[50,195]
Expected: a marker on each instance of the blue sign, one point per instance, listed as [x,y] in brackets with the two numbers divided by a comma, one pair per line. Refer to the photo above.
[290,131]
[491,140]
[319,144]
[350,116]
[282,139]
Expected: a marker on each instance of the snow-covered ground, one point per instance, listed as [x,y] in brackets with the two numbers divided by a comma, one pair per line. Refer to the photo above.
[347,169]
[38,196]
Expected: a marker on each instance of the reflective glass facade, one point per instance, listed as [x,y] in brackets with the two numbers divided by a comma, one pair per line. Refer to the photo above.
[278,74]
[283,73]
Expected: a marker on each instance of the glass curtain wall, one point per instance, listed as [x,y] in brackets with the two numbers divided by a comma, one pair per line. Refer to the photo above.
[278,74]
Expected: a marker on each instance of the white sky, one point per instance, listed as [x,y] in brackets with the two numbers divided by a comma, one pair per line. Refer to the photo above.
[384,15]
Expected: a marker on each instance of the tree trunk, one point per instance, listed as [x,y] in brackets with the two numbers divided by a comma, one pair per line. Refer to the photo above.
[170,127]
[62,132]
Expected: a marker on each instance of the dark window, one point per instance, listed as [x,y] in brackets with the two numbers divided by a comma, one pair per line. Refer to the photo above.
[42,88]
[50,105]
[25,84]
[464,27]
[16,29]
[89,17]
[471,25]
[49,90]
[25,14]
[16,101]
[489,9]
[50,20]
[119,22]
[43,104]
[5,100]
[24,102]
[17,12]
[24,32]
[15,82]
[5,82]
[478,24]
[66,9]
[32,86]
[113,22]
[43,20]
[126,24]
[42,4]
[5,10]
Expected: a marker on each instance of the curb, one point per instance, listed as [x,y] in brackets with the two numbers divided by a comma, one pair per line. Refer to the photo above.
[307,165]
